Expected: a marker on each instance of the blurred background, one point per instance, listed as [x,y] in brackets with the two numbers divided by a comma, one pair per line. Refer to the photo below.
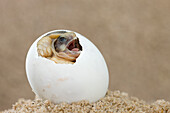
[133,36]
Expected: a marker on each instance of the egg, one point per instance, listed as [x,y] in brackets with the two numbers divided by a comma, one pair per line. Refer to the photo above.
[86,78]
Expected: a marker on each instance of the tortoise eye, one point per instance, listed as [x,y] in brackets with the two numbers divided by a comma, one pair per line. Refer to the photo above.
[62,39]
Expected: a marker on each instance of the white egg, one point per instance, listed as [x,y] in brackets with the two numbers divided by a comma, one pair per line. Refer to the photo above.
[86,79]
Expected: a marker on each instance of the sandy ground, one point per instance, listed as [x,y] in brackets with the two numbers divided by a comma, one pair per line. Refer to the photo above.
[113,102]
[133,36]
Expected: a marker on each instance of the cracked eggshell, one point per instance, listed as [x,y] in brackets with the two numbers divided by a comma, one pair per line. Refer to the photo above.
[86,79]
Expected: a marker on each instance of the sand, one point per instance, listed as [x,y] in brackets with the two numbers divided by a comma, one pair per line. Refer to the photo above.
[113,102]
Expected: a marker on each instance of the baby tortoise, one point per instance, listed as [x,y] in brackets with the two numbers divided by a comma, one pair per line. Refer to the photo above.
[61,47]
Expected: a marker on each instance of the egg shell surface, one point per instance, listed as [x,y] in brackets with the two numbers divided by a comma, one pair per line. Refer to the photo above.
[86,79]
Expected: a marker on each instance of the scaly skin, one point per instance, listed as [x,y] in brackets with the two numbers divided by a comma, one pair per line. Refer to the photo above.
[44,47]
[60,60]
